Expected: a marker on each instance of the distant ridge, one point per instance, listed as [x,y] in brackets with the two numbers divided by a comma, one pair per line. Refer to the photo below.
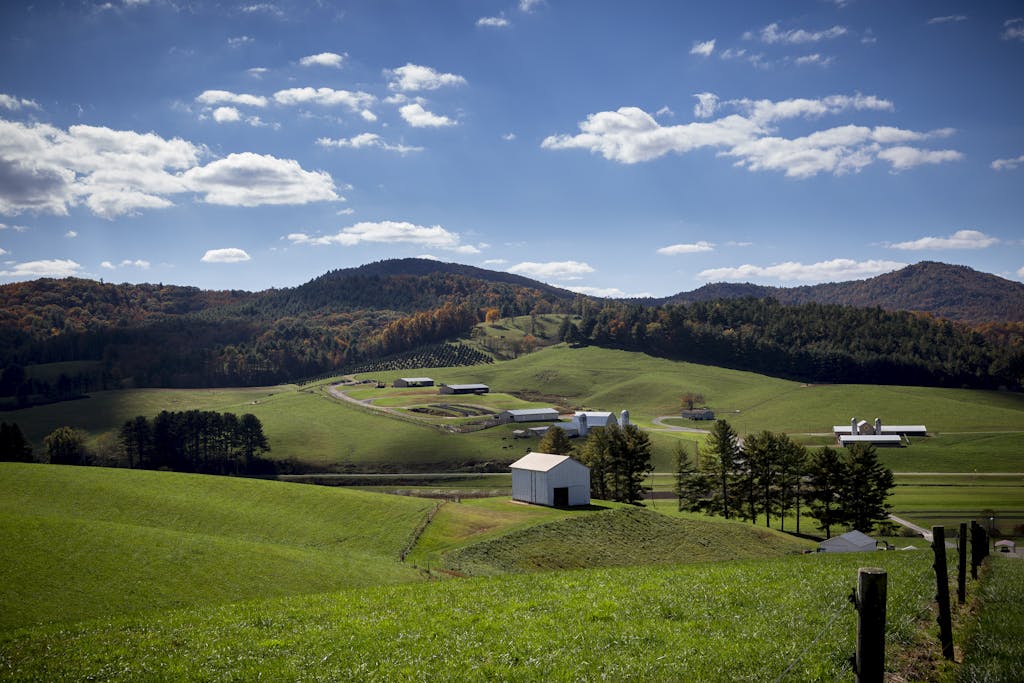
[947,291]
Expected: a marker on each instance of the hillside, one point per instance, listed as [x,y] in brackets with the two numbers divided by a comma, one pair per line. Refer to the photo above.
[947,291]
[82,543]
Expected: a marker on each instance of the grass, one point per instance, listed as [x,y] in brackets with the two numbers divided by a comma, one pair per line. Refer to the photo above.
[995,650]
[741,621]
[620,537]
[82,543]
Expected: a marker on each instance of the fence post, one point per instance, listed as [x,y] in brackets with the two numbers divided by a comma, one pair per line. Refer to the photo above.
[942,594]
[961,573]
[869,662]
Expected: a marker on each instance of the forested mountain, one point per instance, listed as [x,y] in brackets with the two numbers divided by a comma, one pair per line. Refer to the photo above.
[947,291]
[157,335]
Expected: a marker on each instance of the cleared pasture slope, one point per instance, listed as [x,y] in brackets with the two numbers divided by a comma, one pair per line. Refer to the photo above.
[741,621]
[83,543]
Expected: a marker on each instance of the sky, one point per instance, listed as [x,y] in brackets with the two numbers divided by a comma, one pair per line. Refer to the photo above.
[616,149]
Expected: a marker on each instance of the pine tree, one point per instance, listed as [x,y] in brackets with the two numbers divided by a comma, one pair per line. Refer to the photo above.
[555,441]
[826,472]
[721,457]
[13,445]
[865,488]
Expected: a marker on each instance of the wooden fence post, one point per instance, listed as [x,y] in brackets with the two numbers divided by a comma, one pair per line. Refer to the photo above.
[961,573]
[869,662]
[942,595]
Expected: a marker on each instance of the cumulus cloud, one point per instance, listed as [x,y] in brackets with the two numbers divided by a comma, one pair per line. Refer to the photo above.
[327,97]
[1013,29]
[1007,164]
[414,77]
[214,97]
[528,5]
[552,270]
[771,34]
[824,271]
[704,49]
[493,22]
[814,60]
[257,71]
[367,140]
[43,268]
[228,255]
[330,59]
[602,292]
[434,236]
[631,135]
[239,41]
[494,262]
[226,115]
[16,103]
[127,263]
[71,234]
[418,117]
[44,169]
[961,239]
[1020,272]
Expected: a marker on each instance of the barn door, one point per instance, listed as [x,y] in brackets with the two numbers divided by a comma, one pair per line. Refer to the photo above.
[562,496]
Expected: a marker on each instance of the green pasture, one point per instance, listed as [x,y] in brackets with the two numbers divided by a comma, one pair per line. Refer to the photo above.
[82,543]
[742,621]
[993,646]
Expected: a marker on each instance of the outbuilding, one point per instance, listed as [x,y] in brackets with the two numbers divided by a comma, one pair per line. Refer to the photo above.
[850,542]
[528,415]
[414,382]
[549,479]
[464,389]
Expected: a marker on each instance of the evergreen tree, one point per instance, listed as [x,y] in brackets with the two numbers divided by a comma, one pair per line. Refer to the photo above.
[556,442]
[865,488]
[690,485]
[596,454]
[721,455]
[762,454]
[826,473]
[13,445]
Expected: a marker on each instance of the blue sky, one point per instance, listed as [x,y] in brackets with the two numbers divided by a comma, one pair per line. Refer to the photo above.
[618,149]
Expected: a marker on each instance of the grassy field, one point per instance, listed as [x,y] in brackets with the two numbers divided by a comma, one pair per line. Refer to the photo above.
[83,543]
[995,650]
[740,621]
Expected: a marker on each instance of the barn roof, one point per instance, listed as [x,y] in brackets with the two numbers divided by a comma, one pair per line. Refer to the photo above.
[468,386]
[532,411]
[416,379]
[539,462]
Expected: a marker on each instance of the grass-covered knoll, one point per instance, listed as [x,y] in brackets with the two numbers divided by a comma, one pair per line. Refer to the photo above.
[736,621]
[81,543]
[994,647]
[621,537]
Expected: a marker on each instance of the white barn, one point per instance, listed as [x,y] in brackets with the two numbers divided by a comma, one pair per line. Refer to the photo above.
[529,415]
[552,480]
[850,542]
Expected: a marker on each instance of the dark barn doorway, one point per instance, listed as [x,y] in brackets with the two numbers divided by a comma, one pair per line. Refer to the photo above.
[562,496]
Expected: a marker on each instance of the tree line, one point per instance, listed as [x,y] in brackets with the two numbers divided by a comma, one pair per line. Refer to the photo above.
[771,475]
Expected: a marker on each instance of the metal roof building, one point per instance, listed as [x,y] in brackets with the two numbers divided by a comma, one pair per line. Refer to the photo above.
[549,479]
[464,389]
[414,382]
[850,542]
[529,415]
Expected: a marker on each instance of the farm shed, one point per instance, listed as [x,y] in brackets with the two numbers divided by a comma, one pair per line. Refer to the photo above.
[552,480]
[568,427]
[414,382]
[872,439]
[464,389]
[862,428]
[850,542]
[699,414]
[528,415]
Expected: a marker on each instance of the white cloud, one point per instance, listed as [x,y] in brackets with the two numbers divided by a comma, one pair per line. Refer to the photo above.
[229,255]
[414,77]
[428,257]
[257,71]
[330,59]
[553,270]
[508,137]
[694,248]
[952,18]
[263,8]
[327,97]
[367,140]
[707,103]
[825,271]
[602,292]
[528,5]
[215,97]
[71,234]
[434,236]
[239,41]
[249,179]
[904,157]
[1020,272]
[493,22]
[771,34]
[2,251]
[226,115]
[418,117]
[44,268]
[704,49]
[814,60]
[16,103]
[1007,164]
[961,239]
[494,262]
[127,263]
[1013,29]
[631,135]
[368,116]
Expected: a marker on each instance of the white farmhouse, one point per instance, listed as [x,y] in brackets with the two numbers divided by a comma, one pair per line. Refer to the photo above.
[552,480]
